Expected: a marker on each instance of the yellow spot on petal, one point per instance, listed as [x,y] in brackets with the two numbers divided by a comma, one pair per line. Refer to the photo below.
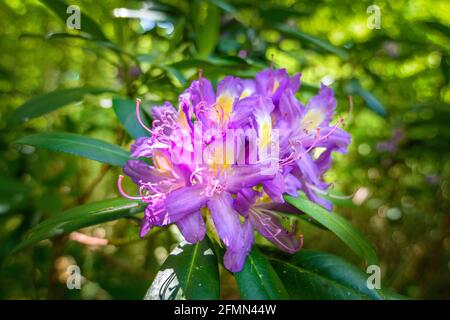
[225,104]
[263,199]
[312,120]
[265,130]
[245,94]
[276,84]
[161,161]
[182,119]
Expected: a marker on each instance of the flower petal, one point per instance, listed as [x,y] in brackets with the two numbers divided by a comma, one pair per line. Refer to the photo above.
[201,90]
[159,111]
[235,256]
[272,83]
[192,227]
[236,237]
[242,176]
[138,171]
[275,188]
[245,199]
[184,201]
[142,147]
[320,109]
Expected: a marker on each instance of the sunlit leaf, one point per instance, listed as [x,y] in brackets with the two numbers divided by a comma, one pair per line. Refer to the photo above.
[304,37]
[86,37]
[81,217]
[258,280]
[177,34]
[176,74]
[438,27]
[338,225]
[207,27]
[189,272]
[316,275]
[224,5]
[76,144]
[40,105]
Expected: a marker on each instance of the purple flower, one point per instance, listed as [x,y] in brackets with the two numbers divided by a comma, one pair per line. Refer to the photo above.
[232,154]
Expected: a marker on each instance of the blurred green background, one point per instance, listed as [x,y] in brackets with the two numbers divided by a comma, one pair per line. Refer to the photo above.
[397,169]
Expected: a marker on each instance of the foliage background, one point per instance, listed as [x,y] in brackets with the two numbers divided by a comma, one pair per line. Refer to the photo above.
[398,160]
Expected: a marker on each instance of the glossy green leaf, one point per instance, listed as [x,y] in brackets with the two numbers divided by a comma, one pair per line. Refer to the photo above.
[317,275]
[189,272]
[207,28]
[51,101]
[320,43]
[88,25]
[81,217]
[258,280]
[338,225]
[87,147]
[125,110]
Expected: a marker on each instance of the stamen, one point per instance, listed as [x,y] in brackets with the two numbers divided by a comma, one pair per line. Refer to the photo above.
[350,104]
[291,157]
[122,192]
[272,228]
[138,115]
[196,174]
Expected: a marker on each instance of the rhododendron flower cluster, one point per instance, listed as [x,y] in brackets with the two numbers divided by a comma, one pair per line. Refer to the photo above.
[231,155]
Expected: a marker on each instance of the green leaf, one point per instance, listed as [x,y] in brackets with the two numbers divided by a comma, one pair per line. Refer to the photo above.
[87,24]
[354,87]
[210,62]
[86,37]
[51,101]
[79,145]
[438,27]
[372,102]
[189,272]
[81,217]
[174,73]
[317,275]
[177,35]
[320,43]
[224,5]
[125,110]
[207,28]
[258,280]
[338,225]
